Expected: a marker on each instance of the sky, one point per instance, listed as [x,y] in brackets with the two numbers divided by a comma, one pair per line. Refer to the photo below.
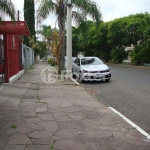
[110,9]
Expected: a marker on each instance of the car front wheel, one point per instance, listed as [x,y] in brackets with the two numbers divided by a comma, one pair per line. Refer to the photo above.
[81,77]
[107,80]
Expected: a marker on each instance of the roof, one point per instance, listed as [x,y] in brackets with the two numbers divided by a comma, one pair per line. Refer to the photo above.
[14,27]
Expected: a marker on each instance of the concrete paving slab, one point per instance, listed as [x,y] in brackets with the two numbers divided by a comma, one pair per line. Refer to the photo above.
[15,147]
[69,145]
[38,147]
[70,134]
[17,139]
[46,117]
[38,110]
[34,126]
[24,129]
[34,86]
[33,120]
[40,134]
[3,140]
[43,141]
[48,125]
[3,122]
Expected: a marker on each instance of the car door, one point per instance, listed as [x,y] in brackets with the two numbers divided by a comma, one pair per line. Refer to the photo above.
[76,65]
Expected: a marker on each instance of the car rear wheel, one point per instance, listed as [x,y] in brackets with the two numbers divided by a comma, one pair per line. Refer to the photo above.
[73,75]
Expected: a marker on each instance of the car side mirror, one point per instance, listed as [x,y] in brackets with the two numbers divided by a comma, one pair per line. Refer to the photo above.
[78,64]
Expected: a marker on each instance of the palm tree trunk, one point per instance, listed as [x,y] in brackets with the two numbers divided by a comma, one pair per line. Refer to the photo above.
[59,53]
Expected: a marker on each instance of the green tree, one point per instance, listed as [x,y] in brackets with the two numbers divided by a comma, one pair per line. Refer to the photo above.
[39,46]
[116,33]
[82,7]
[118,55]
[98,42]
[7,9]
[29,17]
[75,41]
[131,30]
[141,54]
[135,25]
[46,33]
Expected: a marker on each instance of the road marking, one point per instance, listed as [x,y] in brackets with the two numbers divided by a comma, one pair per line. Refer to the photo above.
[131,123]
[75,81]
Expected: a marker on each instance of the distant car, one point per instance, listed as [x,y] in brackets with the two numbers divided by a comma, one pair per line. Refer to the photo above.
[91,69]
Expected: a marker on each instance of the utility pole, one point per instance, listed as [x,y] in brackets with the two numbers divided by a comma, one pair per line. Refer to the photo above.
[69,37]
[18,15]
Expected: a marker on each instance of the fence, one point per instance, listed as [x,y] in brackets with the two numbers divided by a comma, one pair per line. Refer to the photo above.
[28,56]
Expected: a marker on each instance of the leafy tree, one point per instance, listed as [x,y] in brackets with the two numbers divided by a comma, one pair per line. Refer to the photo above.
[46,33]
[75,41]
[82,7]
[118,55]
[29,17]
[116,33]
[98,41]
[132,30]
[39,46]
[7,9]
[141,54]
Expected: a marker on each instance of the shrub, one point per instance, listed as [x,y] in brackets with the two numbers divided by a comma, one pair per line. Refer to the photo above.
[51,61]
[141,54]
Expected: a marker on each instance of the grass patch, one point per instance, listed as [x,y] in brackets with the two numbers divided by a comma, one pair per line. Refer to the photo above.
[14,126]
[52,147]
[38,97]
[31,67]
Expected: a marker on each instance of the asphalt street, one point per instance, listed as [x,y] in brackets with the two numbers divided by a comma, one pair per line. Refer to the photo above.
[128,92]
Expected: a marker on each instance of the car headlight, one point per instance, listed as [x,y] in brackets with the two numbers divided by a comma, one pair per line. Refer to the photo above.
[85,71]
[103,71]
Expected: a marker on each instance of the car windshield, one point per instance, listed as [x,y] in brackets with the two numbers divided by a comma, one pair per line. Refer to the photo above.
[91,61]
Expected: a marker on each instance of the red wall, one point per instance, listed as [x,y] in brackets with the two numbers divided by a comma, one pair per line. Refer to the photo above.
[12,56]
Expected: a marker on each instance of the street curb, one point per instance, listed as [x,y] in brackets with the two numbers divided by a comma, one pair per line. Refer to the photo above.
[75,82]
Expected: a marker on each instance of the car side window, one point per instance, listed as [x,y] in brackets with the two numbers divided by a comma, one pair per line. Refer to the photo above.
[77,61]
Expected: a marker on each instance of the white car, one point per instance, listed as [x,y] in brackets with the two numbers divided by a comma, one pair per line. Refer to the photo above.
[91,69]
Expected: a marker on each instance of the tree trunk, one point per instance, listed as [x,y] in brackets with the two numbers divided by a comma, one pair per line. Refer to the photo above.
[61,46]
[59,53]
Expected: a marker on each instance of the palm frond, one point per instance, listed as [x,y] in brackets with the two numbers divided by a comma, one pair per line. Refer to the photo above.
[45,8]
[7,9]
[89,8]
[77,17]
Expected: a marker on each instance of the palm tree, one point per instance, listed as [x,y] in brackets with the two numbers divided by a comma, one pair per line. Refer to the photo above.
[7,9]
[46,33]
[82,8]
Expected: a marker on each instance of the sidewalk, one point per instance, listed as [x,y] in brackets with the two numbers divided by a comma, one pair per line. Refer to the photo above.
[61,116]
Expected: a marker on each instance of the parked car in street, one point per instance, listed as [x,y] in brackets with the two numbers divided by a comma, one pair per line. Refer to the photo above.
[91,69]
